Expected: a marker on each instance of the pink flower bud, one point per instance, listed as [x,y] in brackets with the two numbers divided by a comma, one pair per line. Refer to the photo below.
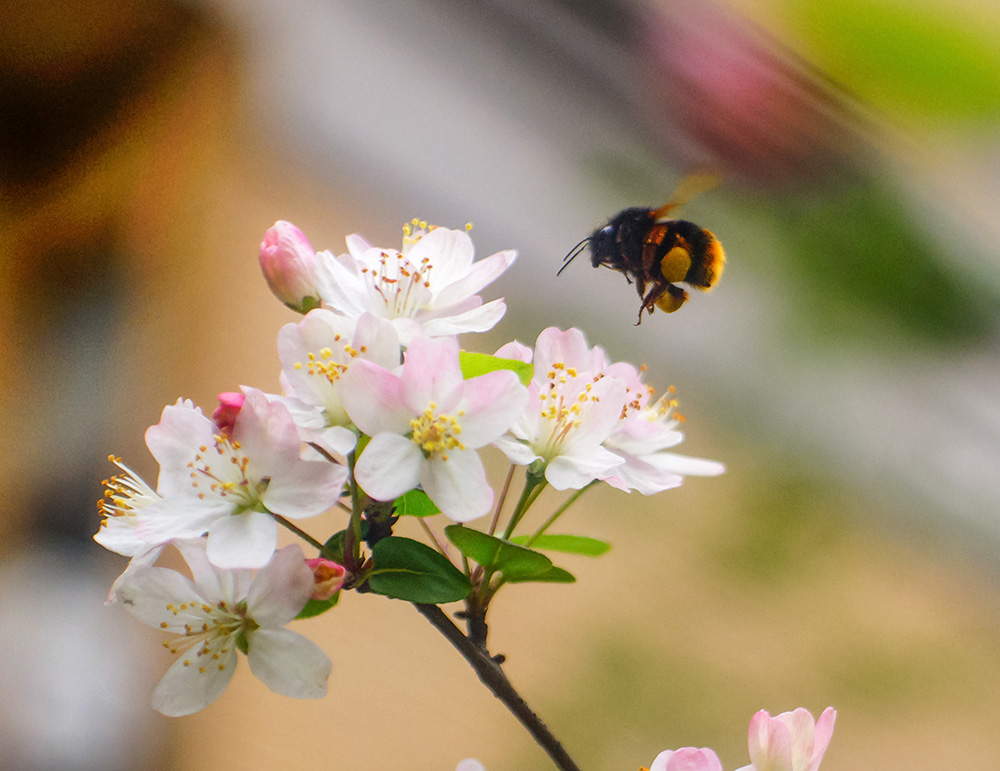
[792,740]
[687,759]
[328,576]
[230,404]
[289,265]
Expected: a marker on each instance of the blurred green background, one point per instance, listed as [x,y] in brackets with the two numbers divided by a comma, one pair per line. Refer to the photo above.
[845,369]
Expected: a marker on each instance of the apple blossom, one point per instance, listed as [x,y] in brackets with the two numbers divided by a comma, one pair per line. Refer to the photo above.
[426,424]
[470,764]
[315,353]
[429,286]
[686,759]
[228,486]
[125,495]
[792,741]
[289,266]
[572,409]
[646,430]
[221,611]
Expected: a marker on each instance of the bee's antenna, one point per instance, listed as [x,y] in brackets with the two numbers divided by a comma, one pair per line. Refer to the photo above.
[573,254]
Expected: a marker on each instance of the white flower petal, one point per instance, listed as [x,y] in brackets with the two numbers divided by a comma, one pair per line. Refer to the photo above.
[288,663]
[336,440]
[183,515]
[389,466]
[517,451]
[305,488]
[682,464]
[340,287]
[173,440]
[478,276]
[480,319]
[147,593]
[281,588]
[193,682]
[244,540]
[570,472]
[450,252]
[458,485]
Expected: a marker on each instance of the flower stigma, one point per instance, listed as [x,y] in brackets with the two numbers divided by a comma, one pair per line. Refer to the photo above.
[562,405]
[213,628]
[231,481]
[436,433]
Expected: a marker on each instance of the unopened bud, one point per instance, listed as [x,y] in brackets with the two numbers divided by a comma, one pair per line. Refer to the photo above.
[230,404]
[328,576]
[289,265]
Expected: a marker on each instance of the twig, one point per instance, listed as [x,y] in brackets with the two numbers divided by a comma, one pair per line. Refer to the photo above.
[488,670]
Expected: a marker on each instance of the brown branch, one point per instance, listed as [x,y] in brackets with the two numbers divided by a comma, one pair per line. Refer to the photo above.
[488,670]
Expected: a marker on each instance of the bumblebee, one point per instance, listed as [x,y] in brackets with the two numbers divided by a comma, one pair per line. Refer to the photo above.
[658,253]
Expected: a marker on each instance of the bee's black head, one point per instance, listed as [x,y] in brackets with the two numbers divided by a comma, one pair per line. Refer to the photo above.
[618,244]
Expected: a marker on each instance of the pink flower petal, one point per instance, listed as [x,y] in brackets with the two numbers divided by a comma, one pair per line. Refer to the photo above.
[373,398]
[431,374]
[492,403]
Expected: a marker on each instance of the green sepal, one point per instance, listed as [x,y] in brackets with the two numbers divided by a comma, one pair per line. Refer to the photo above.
[568,544]
[405,569]
[514,562]
[359,448]
[476,364]
[317,607]
[553,575]
[415,504]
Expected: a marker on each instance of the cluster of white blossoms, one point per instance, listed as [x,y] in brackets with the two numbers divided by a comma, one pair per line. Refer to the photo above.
[378,401]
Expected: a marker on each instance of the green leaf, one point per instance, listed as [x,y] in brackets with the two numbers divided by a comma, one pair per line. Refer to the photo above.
[514,562]
[553,575]
[475,364]
[570,544]
[316,607]
[405,569]
[415,504]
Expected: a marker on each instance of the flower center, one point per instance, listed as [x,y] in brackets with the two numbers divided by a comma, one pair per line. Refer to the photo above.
[404,287]
[562,401]
[228,478]
[436,433]
[207,637]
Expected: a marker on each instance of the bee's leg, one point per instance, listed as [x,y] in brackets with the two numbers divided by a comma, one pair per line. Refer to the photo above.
[652,298]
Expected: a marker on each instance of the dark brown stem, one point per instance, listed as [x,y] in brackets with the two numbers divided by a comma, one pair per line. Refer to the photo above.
[488,670]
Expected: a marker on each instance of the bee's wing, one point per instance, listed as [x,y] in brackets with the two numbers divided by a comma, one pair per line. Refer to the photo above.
[689,187]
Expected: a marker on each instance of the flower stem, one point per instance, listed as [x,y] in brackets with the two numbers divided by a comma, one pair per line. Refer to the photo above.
[558,513]
[301,534]
[352,543]
[488,669]
[502,499]
[533,486]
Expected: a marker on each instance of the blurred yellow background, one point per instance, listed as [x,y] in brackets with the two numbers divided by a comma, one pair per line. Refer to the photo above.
[845,369]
